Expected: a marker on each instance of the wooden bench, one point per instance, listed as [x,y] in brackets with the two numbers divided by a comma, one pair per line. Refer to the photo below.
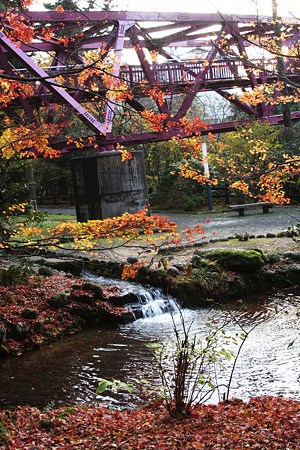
[241,208]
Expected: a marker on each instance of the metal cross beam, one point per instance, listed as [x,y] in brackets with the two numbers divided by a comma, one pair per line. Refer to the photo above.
[113,64]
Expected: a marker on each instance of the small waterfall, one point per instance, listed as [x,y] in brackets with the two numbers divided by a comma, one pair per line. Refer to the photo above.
[143,302]
[153,303]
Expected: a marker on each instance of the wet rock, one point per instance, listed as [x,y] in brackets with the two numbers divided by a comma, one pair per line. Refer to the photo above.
[18,331]
[30,313]
[124,298]
[69,275]
[128,317]
[36,260]
[282,270]
[60,299]
[292,255]
[270,235]
[137,313]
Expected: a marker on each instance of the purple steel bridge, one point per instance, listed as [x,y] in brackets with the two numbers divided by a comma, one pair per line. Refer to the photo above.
[222,61]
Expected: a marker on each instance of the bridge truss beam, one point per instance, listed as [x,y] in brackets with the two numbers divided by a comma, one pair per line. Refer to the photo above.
[156,81]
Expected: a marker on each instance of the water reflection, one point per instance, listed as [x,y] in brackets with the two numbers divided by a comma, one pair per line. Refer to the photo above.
[67,372]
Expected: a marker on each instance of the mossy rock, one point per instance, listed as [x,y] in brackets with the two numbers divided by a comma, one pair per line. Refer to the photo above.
[95,288]
[242,261]
[61,299]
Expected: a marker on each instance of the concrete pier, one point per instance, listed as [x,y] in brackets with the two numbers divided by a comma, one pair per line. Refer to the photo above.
[104,186]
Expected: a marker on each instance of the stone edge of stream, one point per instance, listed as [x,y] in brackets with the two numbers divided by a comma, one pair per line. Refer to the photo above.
[273,273]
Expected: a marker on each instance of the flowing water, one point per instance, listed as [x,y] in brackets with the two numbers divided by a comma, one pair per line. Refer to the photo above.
[67,372]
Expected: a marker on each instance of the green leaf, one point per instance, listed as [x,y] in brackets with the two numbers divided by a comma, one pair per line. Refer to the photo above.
[103,385]
[211,385]
[155,346]
[163,262]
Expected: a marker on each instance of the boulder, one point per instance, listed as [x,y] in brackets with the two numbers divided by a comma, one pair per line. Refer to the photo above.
[60,299]
[295,256]
[132,260]
[18,331]
[173,271]
[30,313]
[124,298]
[45,271]
[83,296]
[241,261]
[73,266]
[95,288]
[2,335]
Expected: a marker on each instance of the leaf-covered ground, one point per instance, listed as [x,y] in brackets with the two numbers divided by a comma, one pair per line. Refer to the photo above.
[29,320]
[262,423]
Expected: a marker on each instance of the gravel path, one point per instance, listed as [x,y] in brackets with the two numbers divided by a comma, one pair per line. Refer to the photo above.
[227,223]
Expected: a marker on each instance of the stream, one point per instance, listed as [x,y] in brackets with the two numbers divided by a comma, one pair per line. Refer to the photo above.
[67,372]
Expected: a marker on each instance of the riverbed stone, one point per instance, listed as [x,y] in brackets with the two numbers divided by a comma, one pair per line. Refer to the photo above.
[128,317]
[124,298]
[269,273]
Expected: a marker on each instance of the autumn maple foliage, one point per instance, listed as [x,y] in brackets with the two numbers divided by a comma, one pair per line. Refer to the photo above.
[37,137]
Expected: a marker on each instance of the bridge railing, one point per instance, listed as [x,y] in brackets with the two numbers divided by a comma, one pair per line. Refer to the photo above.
[180,72]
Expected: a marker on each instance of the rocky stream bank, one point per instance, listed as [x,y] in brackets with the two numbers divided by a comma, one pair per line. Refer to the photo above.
[52,299]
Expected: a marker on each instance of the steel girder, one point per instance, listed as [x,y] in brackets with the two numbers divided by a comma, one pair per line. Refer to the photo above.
[221,63]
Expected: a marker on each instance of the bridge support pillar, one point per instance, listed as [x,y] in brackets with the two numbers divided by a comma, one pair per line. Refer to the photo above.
[104,186]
